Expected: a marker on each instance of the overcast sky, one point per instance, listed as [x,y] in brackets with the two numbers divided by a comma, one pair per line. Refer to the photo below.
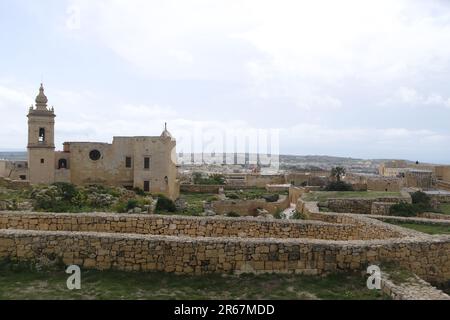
[367,79]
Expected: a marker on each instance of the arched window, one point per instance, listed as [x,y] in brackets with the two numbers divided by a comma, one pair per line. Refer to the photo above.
[41,134]
[62,164]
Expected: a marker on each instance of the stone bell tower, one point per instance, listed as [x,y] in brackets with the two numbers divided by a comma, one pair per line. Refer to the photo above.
[41,141]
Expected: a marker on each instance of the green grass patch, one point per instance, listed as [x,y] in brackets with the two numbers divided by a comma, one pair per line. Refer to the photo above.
[194,202]
[322,196]
[444,208]
[250,194]
[27,283]
[425,228]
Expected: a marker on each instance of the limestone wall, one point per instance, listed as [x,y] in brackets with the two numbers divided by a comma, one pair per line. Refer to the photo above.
[260,181]
[295,193]
[221,245]
[249,207]
[181,226]
[14,184]
[442,198]
[381,208]
[358,205]
[429,259]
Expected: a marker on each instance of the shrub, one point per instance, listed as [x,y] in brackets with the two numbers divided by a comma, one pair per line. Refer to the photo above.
[404,210]
[338,186]
[120,207]
[420,197]
[232,214]
[233,196]
[165,204]
[66,190]
[298,215]
[420,203]
[215,178]
[212,198]
[139,191]
[131,204]
[278,215]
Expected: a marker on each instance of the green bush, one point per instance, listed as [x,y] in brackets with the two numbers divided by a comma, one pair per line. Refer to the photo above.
[338,186]
[212,198]
[404,210]
[420,203]
[233,214]
[131,204]
[420,197]
[215,178]
[139,191]
[298,215]
[66,190]
[120,207]
[165,204]
[233,196]
[278,215]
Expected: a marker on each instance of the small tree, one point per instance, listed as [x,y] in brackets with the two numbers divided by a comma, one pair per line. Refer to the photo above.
[337,173]
[196,177]
[165,204]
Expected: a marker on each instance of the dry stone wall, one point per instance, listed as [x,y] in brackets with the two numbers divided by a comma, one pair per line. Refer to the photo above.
[220,245]
[184,226]
[133,252]
[249,207]
[358,205]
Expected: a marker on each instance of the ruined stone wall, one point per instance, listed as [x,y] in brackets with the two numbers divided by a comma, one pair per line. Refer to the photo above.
[339,228]
[179,226]
[442,198]
[210,188]
[381,208]
[443,173]
[295,193]
[249,207]
[358,205]
[429,259]
[384,184]
[14,170]
[260,181]
[14,184]
[367,228]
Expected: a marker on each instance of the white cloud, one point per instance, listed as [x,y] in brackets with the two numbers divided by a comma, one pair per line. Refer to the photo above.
[411,97]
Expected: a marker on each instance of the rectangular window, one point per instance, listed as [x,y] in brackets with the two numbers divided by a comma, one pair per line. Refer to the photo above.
[127,162]
[146,163]
[42,160]
[146,186]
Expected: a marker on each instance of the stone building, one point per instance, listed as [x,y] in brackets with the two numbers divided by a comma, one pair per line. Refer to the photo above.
[148,163]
